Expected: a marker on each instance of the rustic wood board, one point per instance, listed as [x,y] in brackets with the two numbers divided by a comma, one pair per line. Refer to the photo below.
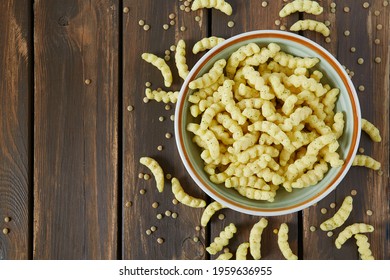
[15,129]
[76,129]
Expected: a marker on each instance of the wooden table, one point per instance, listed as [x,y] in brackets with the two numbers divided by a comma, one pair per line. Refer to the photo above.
[70,147]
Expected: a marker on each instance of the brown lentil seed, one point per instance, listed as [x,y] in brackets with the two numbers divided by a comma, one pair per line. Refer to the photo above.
[226,250]
[221,217]
[172,48]
[333,5]
[361,150]
[148,84]
[354,192]
[130,108]
[168,135]
[264,4]
[282,27]
[146,176]
[377,13]
[197,18]
[275,231]
[332,205]
[174,215]
[197,228]
[182,7]
[175,201]
[7,219]
[145,100]
[161,119]
[195,239]
[168,176]
[148,232]
[160,148]
[183,28]
[327,22]
[366,5]
[361,88]
[167,107]
[329,233]
[155,204]
[187,9]
[377,41]
[140,175]
[167,58]
[165,26]
[328,40]
[5,231]
[346,9]
[385,3]
[347,33]
[142,191]
[128,204]
[172,22]
[333,11]
[379,27]
[230,23]
[369,212]
[88,81]
[186,3]
[168,213]
[324,211]
[360,60]
[172,117]
[159,216]
[126,10]
[353,49]
[141,22]
[171,16]
[313,228]
[160,240]
[153,228]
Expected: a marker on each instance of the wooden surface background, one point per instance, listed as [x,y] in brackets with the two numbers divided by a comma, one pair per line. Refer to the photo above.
[69,146]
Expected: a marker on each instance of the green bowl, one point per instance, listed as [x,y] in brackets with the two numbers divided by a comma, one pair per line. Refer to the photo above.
[285,202]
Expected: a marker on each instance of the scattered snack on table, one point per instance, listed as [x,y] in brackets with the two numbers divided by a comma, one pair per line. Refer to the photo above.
[209,211]
[307,6]
[156,169]
[371,130]
[340,216]
[313,25]
[266,128]
[242,251]
[206,44]
[222,240]
[221,5]
[283,243]
[161,65]
[255,238]
[225,256]
[183,197]
[363,247]
[351,230]
[180,59]
[161,95]
[366,161]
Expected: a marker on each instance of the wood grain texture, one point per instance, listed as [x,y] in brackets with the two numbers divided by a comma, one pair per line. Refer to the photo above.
[248,16]
[372,188]
[76,129]
[15,130]
[143,132]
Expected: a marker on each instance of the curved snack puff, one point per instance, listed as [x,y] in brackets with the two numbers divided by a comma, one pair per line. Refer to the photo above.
[180,59]
[363,247]
[161,65]
[220,133]
[206,44]
[318,125]
[299,166]
[207,137]
[254,103]
[340,216]
[283,243]
[371,130]
[242,251]
[225,256]
[246,141]
[307,6]
[222,240]
[230,125]
[251,181]
[332,158]
[255,238]
[238,56]
[253,115]
[338,125]
[209,78]
[292,62]
[183,197]
[221,5]
[209,115]
[209,212]
[256,194]
[309,24]
[311,177]
[156,170]
[258,82]
[351,230]
[256,151]
[299,115]
[308,84]
[320,142]
[272,129]
[263,56]
[366,161]
[160,95]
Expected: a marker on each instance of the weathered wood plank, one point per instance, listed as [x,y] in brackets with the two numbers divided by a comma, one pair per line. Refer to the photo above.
[15,136]
[76,129]
[372,188]
[143,133]
[247,16]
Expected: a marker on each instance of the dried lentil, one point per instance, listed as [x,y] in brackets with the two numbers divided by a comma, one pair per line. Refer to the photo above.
[130,108]
[329,233]
[142,191]
[5,231]
[369,212]
[128,204]
[160,240]
[126,10]
[361,150]
[155,204]
[230,24]
[354,192]
[324,211]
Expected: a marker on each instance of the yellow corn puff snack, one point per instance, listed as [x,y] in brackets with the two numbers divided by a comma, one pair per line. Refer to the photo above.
[207,137]
[340,216]
[366,161]
[371,130]
[183,197]
[307,6]
[238,56]
[256,194]
[242,251]
[363,247]
[211,77]
[351,230]
[312,176]
[309,24]
[161,65]
[180,59]
[255,238]
[156,170]
[209,212]
[283,243]
[222,240]
[225,256]
[221,5]
[206,44]
[160,95]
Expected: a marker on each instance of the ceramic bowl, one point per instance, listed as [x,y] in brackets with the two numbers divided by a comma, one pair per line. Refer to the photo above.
[285,202]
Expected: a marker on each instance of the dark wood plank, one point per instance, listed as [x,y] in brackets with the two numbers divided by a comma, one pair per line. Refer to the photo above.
[372,188]
[143,132]
[247,16]
[15,137]
[76,129]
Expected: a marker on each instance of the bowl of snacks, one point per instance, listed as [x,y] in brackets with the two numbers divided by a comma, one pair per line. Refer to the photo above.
[267,123]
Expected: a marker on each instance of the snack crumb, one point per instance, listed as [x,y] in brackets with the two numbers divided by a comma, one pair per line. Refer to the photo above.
[277,22]
[88,81]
